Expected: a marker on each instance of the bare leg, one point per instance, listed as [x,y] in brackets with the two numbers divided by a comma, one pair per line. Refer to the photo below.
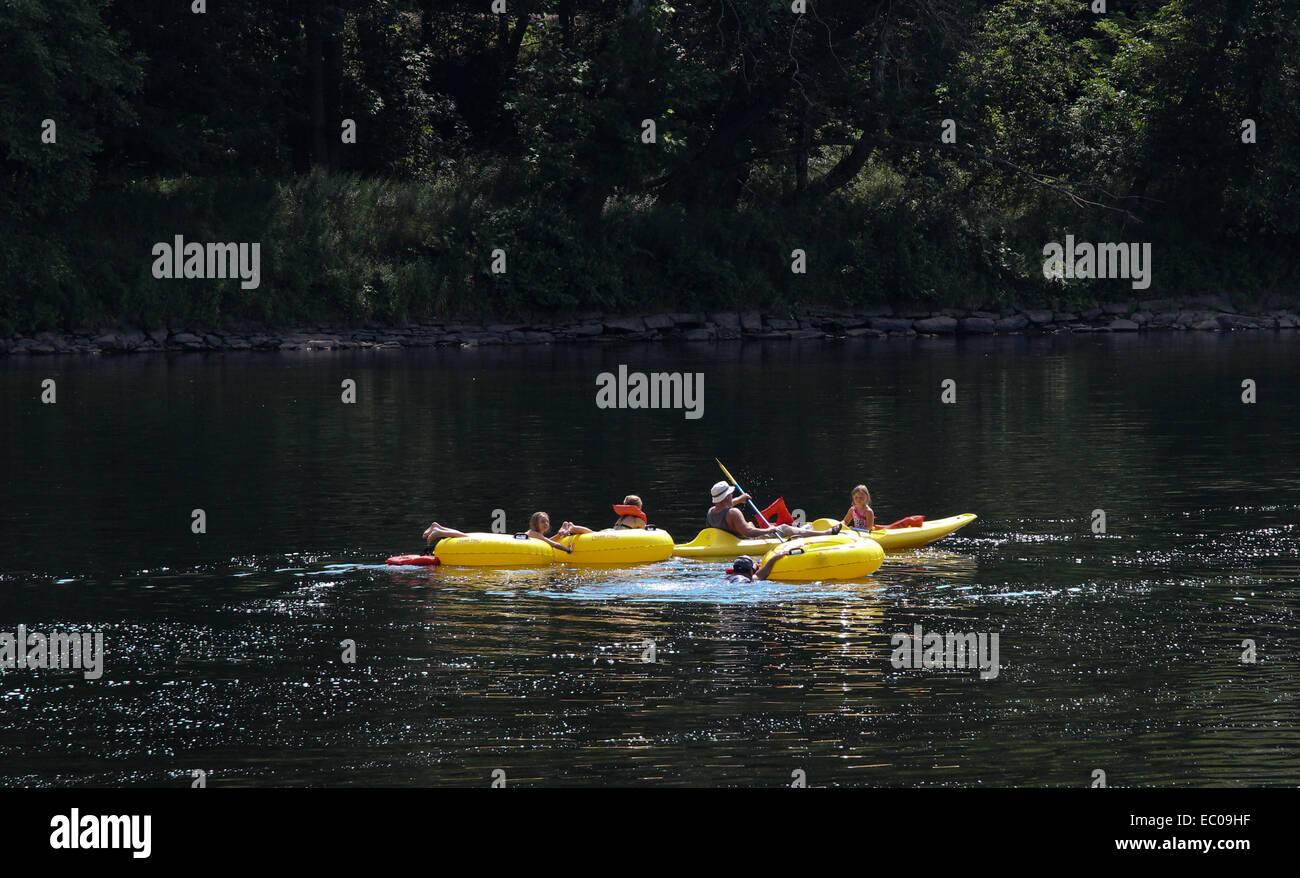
[788,531]
[438,532]
[569,529]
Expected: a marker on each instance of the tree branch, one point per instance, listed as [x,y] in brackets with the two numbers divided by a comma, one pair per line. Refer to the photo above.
[1056,184]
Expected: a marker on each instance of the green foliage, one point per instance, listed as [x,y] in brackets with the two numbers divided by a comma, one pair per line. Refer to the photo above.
[523,132]
[57,62]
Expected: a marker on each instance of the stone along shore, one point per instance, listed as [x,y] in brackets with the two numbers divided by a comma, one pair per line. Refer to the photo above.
[1201,313]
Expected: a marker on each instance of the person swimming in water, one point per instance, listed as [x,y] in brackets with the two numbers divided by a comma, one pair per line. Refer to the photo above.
[742,569]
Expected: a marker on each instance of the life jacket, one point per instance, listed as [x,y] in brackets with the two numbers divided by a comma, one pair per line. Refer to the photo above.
[777,513]
[910,521]
[629,510]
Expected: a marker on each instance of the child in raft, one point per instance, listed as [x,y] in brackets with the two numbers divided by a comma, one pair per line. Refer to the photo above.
[630,516]
[860,516]
[540,523]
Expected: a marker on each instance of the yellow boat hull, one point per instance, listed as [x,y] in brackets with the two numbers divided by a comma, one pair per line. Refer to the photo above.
[714,543]
[493,550]
[819,558]
[599,548]
[906,538]
[617,547]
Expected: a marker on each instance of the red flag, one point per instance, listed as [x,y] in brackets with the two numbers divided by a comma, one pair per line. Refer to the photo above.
[777,513]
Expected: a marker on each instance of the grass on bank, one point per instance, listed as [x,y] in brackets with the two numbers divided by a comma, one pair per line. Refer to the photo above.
[342,250]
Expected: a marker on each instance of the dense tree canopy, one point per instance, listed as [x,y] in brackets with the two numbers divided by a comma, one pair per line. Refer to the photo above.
[529,126]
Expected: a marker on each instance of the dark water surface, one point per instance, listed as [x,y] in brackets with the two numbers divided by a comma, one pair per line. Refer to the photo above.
[1119,652]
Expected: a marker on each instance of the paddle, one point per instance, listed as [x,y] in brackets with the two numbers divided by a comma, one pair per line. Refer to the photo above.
[752,504]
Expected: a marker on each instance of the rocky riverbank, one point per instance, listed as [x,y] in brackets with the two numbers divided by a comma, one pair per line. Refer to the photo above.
[1201,313]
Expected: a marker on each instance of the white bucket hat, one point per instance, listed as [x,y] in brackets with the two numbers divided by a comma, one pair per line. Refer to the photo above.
[720,490]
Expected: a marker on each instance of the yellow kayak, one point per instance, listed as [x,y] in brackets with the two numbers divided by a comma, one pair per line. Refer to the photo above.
[612,547]
[904,538]
[714,543]
[817,558]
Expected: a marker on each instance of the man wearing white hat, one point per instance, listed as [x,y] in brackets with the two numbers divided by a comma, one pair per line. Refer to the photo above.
[725,514]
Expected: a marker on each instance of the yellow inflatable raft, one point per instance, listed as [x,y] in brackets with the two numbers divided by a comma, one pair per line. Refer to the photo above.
[714,543]
[818,558]
[615,547]
[904,538]
[602,547]
[494,550]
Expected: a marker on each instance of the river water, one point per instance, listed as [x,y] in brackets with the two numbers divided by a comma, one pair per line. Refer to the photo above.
[1120,651]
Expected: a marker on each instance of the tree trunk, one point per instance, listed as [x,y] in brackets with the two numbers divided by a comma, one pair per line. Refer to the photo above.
[566,23]
[323,66]
[333,91]
[426,23]
[850,165]
[316,91]
[801,154]
[687,182]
